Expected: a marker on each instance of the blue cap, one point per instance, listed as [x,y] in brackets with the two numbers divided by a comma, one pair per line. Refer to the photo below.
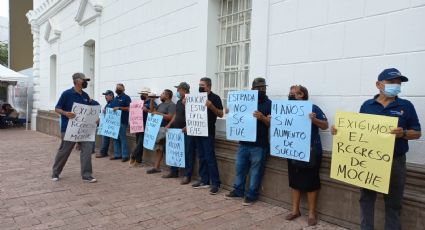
[391,73]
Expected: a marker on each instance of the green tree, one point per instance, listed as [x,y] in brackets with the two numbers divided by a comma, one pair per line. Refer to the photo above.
[4,53]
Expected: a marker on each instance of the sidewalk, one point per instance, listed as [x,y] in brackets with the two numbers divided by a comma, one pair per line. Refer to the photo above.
[123,198]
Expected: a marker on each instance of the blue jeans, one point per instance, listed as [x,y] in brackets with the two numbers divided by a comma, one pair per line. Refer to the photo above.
[208,169]
[393,200]
[189,150]
[104,148]
[120,144]
[249,158]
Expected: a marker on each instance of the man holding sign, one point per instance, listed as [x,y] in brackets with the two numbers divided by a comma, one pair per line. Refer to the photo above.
[208,169]
[251,156]
[387,103]
[64,108]
[121,102]
[179,122]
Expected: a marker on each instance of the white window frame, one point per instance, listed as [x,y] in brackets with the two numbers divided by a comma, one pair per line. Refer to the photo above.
[234,46]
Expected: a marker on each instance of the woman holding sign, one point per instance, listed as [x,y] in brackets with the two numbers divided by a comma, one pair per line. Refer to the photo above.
[304,176]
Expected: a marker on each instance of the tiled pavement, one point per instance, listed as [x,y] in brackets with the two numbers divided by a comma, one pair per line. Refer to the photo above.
[123,198]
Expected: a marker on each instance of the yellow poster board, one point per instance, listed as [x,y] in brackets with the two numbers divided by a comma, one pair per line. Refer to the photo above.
[362,151]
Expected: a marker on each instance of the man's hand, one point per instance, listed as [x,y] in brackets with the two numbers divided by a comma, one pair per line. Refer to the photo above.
[69,115]
[333,130]
[184,130]
[259,115]
[398,132]
[312,116]
[116,108]
[208,104]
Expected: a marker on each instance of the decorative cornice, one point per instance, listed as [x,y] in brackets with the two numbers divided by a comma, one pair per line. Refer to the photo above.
[97,6]
[51,26]
[46,10]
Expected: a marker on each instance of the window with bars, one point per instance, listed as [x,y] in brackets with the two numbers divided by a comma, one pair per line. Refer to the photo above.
[234,46]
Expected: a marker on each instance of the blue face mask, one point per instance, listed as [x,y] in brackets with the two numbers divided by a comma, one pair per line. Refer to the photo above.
[178,95]
[391,90]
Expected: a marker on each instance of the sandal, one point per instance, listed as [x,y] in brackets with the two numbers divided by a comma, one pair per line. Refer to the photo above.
[292,216]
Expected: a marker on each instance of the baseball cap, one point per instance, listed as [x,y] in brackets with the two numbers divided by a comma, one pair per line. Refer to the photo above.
[259,81]
[391,73]
[108,92]
[81,76]
[183,85]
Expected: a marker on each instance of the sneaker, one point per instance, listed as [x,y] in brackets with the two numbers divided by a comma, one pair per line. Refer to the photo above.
[99,155]
[55,178]
[170,175]
[114,158]
[247,202]
[90,179]
[186,180]
[231,195]
[200,185]
[125,159]
[214,190]
[153,170]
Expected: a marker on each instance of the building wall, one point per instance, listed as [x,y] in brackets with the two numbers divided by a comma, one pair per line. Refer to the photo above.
[337,48]
[20,40]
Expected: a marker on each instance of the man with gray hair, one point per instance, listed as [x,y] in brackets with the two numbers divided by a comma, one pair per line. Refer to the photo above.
[64,108]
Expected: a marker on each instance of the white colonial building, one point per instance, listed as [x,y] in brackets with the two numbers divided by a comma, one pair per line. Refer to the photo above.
[336,48]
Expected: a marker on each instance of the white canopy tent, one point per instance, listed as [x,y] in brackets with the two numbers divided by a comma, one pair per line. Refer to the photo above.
[9,75]
[12,77]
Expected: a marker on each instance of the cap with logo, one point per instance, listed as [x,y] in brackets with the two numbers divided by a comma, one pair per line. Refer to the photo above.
[391,73]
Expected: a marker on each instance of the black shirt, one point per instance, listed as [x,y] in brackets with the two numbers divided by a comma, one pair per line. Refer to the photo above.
[180,119]
[265,107]
[212,118]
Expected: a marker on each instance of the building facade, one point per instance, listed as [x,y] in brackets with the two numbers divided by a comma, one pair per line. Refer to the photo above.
[336,48]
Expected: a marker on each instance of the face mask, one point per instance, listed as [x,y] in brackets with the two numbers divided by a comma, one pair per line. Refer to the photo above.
[84,85]
[261,95]
[291,97]
[143,97]
[178,95]
[119,91]
[391,90]
[201,89]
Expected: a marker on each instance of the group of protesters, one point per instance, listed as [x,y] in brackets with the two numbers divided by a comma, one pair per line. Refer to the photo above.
[250,156]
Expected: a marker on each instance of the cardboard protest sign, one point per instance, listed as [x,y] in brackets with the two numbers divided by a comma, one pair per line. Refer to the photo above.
[136,117]
[109,124]
[83,126]
[241,125]
[290,129]
[362,151]
[174,149]
[153,123]
[196,114]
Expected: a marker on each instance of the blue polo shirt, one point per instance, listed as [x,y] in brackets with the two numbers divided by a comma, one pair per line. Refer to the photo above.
[401,108]
[262,140]
[66,101]
[122,100]
[315,137]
